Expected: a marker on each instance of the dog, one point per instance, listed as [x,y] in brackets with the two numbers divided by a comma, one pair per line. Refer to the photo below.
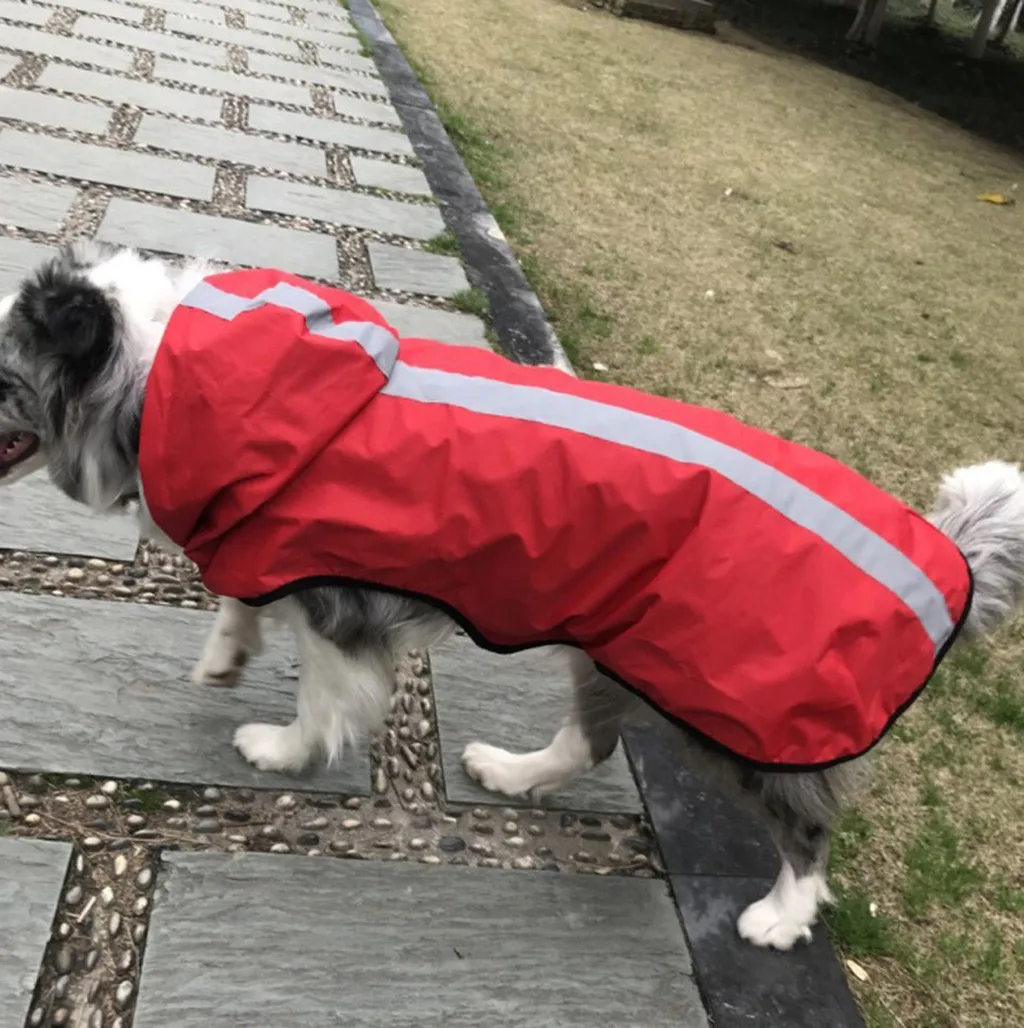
[77,343]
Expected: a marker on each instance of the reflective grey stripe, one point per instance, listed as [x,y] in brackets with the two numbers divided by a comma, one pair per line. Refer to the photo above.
[376,341]
[874,556]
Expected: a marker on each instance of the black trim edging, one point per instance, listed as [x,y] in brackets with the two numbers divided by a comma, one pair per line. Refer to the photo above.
[740,984]
[524,333]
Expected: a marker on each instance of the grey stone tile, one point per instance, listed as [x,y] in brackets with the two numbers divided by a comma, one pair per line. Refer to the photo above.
[321,17]
[191,9]
[98,688]
[157,42]
[106,164]
[515,701]
[18,10]
[8,62]
[56,111]
[339,33]
[413,271]
[36,516]
[224,34]
[17,256]
[225,145]
[31,877]
[110,8]
[413,321]
[399,178]
[146,95]
[343,207]
[273,11]
[220,239]
[66,48]
[346,58]
[366,110]
[228,82]
[323,130]
[463,948]
[267,64]
[35,205]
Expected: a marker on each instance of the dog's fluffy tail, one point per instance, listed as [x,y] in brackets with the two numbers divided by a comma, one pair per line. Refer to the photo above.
[981,508]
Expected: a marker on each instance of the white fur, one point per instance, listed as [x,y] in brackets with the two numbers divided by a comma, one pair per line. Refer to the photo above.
[235,638]
[785,916]
[530,774]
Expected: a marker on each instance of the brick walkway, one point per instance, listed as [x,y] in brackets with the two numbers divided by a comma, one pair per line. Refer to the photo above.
[150,876]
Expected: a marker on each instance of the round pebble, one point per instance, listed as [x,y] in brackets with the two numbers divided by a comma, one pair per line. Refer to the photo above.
[516,842]
[109,788]
[211,794]
[535,830]
[140,906]
[92,843]
[451,844]
[106,895]
[481,813]
[125,961]
[60,986]
[380,822]
[427,791]
[32,819]
[97,802]
[144,879]
[280,847]
[286,802]
[206,811]
[353,803]
[135,820]
[138,933]
[523,863]
[73,896]
[64,959]
[172,804]
[315,825]
[96,1019]
[430,858]
[350,823]
[307,839]
[124,993]
[4,780]
[340,845]
[417,844]
[210,826]
[240,839]
[510,828]
[270,831]
[120,865]
[114,924]
[91,959]
[36,1017]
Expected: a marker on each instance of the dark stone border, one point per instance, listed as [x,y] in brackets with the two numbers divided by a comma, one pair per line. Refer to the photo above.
[717,858]
[524,332]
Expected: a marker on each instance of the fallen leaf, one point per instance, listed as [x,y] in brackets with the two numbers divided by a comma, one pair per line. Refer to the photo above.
[598,366]
[784,245]
[788,383]
[857,971]
[997,198]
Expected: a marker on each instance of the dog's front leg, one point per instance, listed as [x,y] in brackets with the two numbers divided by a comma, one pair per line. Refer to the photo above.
[234,639]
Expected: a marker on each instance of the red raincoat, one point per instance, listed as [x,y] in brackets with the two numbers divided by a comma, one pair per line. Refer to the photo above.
[757,591]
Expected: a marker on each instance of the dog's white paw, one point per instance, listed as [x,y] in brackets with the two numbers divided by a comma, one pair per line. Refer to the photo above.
[766,923]
[496,769]
[221,662]
[272,747]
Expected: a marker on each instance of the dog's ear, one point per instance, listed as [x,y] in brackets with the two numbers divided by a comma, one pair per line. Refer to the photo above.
[71,319]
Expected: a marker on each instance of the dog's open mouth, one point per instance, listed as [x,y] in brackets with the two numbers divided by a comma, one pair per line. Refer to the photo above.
[16,447]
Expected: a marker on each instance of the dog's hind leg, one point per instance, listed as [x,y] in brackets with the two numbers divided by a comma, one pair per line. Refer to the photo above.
[234,639]
[588,737]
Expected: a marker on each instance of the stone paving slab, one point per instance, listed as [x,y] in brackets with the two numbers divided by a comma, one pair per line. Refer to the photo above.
[412,320]
[413,271]
[106,164]
[220,239]
[255,940]
[54,111]
[110,8]
[7,64]
[191,9]
[343,207]
[338,34]
[34,205]
[158,42]
[228,82]
[515,701]
[64,47]
[16,257]
[367,110]
[35,516]
[147,95]
[98,688]
[236,37]
[31,877]
[336,133]
[223,144]
[268,64]
[23,12]
[398,178]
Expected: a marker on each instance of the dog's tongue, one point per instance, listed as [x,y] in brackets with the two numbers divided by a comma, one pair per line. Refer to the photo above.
[14,446]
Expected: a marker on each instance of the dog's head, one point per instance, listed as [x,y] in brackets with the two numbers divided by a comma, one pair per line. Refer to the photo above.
[76,341]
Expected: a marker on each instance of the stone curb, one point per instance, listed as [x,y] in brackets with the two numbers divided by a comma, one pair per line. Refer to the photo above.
[739,984]
[524,332]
